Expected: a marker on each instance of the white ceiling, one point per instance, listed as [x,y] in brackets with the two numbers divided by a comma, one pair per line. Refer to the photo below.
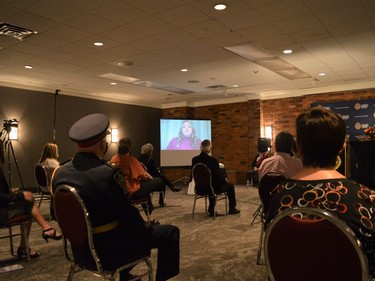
[160,37]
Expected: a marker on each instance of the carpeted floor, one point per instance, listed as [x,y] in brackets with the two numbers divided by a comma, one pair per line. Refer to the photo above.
[221,249]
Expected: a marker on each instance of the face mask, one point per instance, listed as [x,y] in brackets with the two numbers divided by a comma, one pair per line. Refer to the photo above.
[106,148]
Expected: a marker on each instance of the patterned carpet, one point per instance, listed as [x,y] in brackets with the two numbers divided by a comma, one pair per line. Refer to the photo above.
[220,249]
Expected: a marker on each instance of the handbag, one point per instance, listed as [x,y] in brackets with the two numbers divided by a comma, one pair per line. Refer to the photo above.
[191,187]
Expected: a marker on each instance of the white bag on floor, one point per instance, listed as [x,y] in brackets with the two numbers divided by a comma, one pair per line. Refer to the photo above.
[191,187]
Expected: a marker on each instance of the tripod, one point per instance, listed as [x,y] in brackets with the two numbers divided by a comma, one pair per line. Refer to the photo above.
[8,151]
[186,178]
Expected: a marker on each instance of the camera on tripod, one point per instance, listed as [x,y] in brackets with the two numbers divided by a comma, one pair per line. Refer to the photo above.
[9,124]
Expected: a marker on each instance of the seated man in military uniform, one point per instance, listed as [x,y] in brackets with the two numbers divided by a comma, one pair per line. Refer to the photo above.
[120,233]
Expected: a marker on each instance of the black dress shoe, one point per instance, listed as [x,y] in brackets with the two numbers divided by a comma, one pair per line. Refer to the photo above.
[234,211]
[176,189]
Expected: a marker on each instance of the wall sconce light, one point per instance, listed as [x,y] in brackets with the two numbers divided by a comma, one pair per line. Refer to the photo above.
[114,135]
[11,127]
[13,134]
[268,132]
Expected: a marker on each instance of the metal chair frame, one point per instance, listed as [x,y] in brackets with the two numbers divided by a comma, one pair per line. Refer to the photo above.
[42,180]
[88,237]
[330,237]
[142,202]
[23,222]
[266,184]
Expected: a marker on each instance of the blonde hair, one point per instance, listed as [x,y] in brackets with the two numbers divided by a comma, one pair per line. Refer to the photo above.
[50,150]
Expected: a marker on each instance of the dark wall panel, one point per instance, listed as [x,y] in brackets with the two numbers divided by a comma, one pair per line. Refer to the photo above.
[35,113]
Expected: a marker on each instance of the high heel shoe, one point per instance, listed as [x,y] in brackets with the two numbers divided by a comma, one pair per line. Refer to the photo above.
[45,236]
[21,253]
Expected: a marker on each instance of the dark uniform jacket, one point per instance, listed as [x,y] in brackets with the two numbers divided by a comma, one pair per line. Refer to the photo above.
[101,188]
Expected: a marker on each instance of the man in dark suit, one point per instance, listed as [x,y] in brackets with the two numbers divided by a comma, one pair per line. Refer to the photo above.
[219,181]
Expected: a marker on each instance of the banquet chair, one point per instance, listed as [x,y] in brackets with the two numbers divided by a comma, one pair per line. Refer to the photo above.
[266,184]
[144,203]
[74,222]
[312,244]
[203,188]
[43,183]
[22,221]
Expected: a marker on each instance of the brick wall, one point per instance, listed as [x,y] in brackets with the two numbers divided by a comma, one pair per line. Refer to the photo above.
[236,127]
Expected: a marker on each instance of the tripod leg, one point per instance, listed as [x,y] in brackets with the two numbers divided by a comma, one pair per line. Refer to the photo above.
[16,163]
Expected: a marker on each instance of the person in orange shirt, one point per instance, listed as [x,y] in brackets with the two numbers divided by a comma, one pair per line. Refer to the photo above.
[138,183]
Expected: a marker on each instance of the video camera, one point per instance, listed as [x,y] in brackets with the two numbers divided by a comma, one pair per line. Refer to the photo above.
[9,124]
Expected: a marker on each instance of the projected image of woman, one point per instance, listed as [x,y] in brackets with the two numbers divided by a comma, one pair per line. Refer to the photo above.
[186,139]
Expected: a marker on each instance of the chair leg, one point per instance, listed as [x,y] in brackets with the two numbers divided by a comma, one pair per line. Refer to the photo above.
[260,246]
[257,213]
[195,201]
[71,272]
[226,204]
[40,200]
[11,240]
[214,214]
[149,266]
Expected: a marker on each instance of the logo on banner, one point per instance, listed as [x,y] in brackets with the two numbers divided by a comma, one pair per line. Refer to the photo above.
[359,106]
[359,126]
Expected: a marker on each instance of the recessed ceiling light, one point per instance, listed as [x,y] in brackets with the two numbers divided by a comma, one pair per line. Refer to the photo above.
[99,44]
[125,63]
[235,86]
[28,66]
[113,83]
[322,74]
[220,7]
[288,51]
[184,69]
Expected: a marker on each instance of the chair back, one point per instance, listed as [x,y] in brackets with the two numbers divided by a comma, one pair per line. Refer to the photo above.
[266,184]
[41,178]
[202,178]
[311,244]
[74,222]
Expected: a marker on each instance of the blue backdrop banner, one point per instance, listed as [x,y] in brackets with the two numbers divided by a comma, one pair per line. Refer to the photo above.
[358,115]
